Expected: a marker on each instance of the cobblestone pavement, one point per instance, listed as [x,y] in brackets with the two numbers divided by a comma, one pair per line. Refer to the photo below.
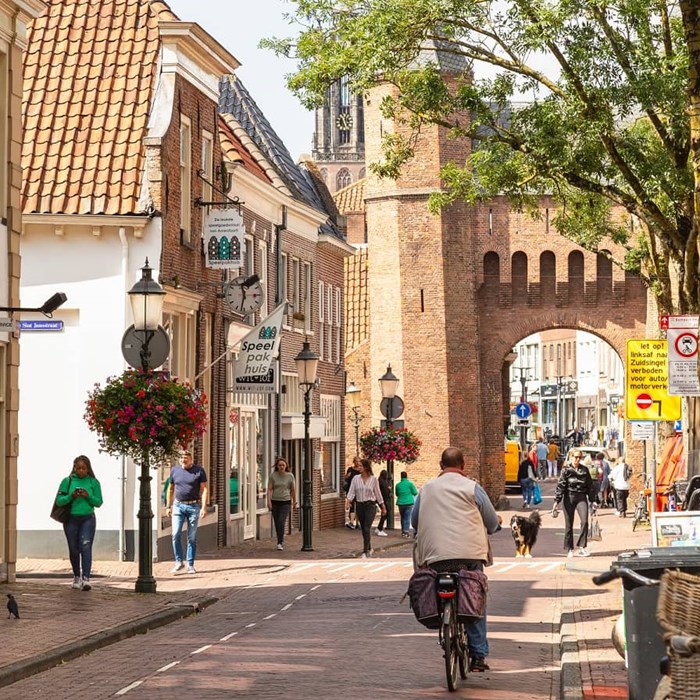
[287,619]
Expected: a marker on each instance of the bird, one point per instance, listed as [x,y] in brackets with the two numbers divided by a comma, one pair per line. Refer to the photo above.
[12,606]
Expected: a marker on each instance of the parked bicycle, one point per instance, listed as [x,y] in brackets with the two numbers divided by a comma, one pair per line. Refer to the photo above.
[678,612]
[641,510]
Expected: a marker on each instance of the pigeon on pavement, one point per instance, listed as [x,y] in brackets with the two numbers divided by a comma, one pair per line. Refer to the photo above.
[12,606]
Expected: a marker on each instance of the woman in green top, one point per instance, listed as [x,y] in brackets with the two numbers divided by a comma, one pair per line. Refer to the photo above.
[406,493]
[281,497]
[82,490]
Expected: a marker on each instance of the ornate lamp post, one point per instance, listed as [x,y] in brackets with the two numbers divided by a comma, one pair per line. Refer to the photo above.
[389,383]
[146,298]
[307,364]
[352,398]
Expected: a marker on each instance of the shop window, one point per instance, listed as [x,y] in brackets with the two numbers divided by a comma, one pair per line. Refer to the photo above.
[330,442]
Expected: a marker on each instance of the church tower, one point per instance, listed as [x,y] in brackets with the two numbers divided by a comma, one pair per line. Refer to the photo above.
[339,139]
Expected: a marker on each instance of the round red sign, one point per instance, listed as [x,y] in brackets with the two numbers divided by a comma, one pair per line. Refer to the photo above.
[643,401]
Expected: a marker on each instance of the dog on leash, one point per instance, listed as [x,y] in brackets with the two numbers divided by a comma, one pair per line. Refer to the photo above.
[524,531]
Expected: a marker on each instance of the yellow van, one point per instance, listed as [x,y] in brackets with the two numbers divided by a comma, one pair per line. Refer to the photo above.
[512,457]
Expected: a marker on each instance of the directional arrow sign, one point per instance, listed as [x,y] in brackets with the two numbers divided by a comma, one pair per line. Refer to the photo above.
[523,410]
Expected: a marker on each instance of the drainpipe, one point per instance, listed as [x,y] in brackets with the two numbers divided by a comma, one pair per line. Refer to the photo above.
[121,553]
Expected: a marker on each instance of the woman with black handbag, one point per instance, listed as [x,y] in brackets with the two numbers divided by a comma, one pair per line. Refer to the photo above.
[82,491]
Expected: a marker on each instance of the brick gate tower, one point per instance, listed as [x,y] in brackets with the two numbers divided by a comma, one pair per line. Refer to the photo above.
[422,291]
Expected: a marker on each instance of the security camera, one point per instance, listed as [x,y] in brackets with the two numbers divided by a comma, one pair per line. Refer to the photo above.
[51,304]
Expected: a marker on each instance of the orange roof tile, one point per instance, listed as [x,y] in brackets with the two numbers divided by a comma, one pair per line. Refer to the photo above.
[356,299]
[90,72]
[351,198]
[234,151]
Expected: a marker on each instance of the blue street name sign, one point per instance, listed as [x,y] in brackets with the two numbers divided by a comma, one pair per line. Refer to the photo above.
[41,325]
[678,426]
[523,410]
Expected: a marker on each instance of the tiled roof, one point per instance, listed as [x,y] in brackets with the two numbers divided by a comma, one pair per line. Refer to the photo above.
[90,73]
[235,100]
[351,198]
[356,301]
[448,57]
[234,151]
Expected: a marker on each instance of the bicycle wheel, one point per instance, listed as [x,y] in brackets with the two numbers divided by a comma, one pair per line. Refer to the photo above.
[463,656]
[449,636]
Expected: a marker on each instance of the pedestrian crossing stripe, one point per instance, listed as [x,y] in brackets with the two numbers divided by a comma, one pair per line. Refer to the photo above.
[499,566]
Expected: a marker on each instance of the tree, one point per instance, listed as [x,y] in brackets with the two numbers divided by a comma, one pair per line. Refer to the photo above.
[610,128]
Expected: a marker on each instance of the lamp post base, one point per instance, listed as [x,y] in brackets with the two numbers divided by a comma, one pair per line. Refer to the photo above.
[145,585]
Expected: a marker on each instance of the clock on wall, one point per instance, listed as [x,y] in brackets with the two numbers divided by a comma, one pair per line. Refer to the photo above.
[344,121]
[244,295]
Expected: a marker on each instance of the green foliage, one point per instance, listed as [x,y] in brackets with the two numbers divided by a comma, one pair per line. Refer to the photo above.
[145,412]
[583,100]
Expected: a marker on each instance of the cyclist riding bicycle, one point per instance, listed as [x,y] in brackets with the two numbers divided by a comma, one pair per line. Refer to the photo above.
[451,517]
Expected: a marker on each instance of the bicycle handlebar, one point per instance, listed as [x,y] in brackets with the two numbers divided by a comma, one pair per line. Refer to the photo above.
[624,572]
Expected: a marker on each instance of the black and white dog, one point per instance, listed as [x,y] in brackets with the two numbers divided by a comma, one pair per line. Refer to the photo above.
[524,531]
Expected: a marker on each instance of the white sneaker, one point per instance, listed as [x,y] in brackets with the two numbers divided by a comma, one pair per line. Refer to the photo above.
[583,552]
[191,570]
[77,582]
[570,553]
[280,547]
[364,555]
[179,566]
[380,533]
[85,585]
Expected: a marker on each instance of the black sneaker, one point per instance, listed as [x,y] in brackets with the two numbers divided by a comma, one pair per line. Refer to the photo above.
[478,665]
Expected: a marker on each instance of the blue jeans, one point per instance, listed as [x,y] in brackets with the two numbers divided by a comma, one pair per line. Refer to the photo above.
[476,637]
[405,512]
[526,485]
[80,534]
[190,513]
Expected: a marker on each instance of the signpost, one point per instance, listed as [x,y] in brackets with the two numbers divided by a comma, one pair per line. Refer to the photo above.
[682,336]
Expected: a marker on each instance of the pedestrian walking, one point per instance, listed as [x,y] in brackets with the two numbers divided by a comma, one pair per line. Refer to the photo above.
[406,493]
[552,459]
[542,451]
[281,497]
[620,480]
[526,477]
[385,488]
[353,470]
[83,492]
[187,502]
[364,490]
[577,491]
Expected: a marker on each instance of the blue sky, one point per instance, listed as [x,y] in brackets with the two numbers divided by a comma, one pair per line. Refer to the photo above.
[239,25]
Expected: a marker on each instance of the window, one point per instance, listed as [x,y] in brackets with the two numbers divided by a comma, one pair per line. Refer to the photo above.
[180,326]
[308,326]
[343,178]
[330,442]
[262,267]
[207,167]
[296,286]
[329,322]
[337,325]
[185,180]
[321,326]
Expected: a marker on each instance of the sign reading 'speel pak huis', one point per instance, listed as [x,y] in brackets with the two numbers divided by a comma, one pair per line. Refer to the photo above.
[253,367]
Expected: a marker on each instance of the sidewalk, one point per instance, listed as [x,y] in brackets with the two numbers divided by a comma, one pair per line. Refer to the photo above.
[58,623]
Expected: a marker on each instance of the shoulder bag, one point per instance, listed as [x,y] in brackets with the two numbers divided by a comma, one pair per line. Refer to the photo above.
[61,513]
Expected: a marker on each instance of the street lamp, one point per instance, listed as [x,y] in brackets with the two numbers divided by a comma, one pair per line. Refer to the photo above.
[307,364]
[146,298]
[389,383]
[352,399]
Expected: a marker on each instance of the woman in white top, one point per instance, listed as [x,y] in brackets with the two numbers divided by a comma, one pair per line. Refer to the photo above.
[364,490]
[620,480]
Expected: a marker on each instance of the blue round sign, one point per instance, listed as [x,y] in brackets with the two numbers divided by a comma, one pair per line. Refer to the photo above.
[523,410]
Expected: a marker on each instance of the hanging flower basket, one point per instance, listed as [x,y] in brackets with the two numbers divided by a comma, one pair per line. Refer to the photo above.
[397,444]
[143,412]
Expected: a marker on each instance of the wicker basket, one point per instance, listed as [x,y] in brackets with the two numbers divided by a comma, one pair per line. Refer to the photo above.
[678,610]
[685,672]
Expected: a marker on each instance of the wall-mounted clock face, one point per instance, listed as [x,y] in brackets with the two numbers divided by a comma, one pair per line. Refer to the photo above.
[244,295]
[344,121]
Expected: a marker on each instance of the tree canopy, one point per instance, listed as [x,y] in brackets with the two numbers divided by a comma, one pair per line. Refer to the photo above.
[595,102]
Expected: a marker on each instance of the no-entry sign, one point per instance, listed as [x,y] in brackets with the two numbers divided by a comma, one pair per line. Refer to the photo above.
[646,370]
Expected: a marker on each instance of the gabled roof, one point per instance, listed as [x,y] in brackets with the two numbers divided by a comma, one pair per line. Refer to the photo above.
[351,198]
[89,77]
[235,100]
[234,151]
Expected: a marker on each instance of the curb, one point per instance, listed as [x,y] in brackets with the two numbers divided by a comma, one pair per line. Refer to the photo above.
[65,652]
[570,676]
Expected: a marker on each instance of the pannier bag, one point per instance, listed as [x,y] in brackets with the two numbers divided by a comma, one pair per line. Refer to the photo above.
[472,588]
[423,598]
[471,595]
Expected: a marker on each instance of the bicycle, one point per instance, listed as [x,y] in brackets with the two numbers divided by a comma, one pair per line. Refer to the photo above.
[678,612]
[641,510]
[451,635]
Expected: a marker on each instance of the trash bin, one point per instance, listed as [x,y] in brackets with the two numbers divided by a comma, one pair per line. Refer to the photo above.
[644,635]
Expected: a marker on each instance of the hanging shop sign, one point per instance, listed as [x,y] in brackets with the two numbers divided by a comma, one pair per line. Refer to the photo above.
[223,239]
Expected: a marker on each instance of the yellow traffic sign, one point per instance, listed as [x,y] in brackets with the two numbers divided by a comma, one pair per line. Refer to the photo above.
[646,393]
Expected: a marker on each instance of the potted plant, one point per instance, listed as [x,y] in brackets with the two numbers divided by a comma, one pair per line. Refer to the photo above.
[145,413]
[396,444]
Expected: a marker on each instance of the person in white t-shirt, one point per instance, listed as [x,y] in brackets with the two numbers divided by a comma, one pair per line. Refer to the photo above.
[620,480]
